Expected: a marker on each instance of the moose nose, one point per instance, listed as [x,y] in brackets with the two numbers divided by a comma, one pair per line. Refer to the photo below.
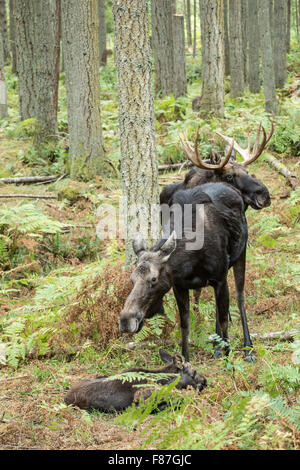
[123,325]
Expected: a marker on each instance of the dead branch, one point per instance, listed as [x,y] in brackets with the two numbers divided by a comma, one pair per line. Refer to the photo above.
[292,179]
[30,196]
[29,179]
[282,335]
[174,166]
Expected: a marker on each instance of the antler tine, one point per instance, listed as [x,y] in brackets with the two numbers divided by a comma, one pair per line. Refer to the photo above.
[257,149]
[243,152]
[256,143]
[187,149]
[226,159]
[196,146]
[257,153]
[271,132]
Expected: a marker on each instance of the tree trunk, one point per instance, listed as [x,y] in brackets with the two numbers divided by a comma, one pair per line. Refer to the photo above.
[212,34]
[47,52]
[226,39]
[37,52]
[136,120]
[280,27]
[288,31]
[195,29]
[271,14]
[267,57]
[253,39]
[180,81]
[188,23]
[12,36]
[162,44]
[4,30]
[80,33]
[236,49]
[244,13]
[3,96]
[102,32]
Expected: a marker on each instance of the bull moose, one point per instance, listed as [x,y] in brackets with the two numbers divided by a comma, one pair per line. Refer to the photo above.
[169,264]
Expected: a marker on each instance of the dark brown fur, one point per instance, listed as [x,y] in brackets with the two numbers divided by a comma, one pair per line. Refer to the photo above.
[115,395]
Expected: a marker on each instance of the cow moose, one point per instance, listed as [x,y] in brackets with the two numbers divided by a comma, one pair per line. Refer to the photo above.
[116,395]
[168,264]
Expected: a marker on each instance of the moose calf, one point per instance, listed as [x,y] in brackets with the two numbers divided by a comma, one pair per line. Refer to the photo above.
[115,395]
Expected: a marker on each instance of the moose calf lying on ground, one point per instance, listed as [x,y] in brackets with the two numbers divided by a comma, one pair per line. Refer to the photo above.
[114,395]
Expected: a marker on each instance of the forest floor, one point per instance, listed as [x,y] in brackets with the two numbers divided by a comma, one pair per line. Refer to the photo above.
[59,308]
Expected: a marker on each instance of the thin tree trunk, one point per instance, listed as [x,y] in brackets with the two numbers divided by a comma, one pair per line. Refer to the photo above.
[236,49]
[4,30]
[280,27]
[180,80]
[12,36]
[226,39]
[267,57]
[136,120]
[102,32]
[253,39]
[80,33]
[195,29]
[288,31]
[212,34]
[244,13]
[162,44]
[3,95]
[188,23]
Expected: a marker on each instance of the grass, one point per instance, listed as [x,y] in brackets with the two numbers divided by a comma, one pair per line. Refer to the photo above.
[59,316]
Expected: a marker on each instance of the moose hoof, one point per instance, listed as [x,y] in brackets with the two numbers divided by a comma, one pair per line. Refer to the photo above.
[217,353]
[250,357]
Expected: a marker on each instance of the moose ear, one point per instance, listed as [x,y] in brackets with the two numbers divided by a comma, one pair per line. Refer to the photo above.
[165,356]
[168,247]
[215,157]
[139,244]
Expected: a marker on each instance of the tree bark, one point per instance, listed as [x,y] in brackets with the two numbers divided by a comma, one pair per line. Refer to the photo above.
[102,32]
[4,30]
[226,39]
[188,23]
[162,43]
[12,36]
[80,33]
[244,13]
[136,120]
[180,80]
[280,28]
[288,30]
[253,39]
[3,95]
[195,29]
[267,57]
[212,34]
[236,49]
[37,51]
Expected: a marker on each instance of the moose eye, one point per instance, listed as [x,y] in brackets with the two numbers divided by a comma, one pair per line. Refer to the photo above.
[229,178]
[153,279]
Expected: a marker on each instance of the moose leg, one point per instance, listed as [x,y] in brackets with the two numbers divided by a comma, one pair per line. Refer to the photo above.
[222,313]
[182,299]
[239,278]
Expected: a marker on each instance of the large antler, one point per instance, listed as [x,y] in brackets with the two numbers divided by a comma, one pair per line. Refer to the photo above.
[257,149]
[194,157]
